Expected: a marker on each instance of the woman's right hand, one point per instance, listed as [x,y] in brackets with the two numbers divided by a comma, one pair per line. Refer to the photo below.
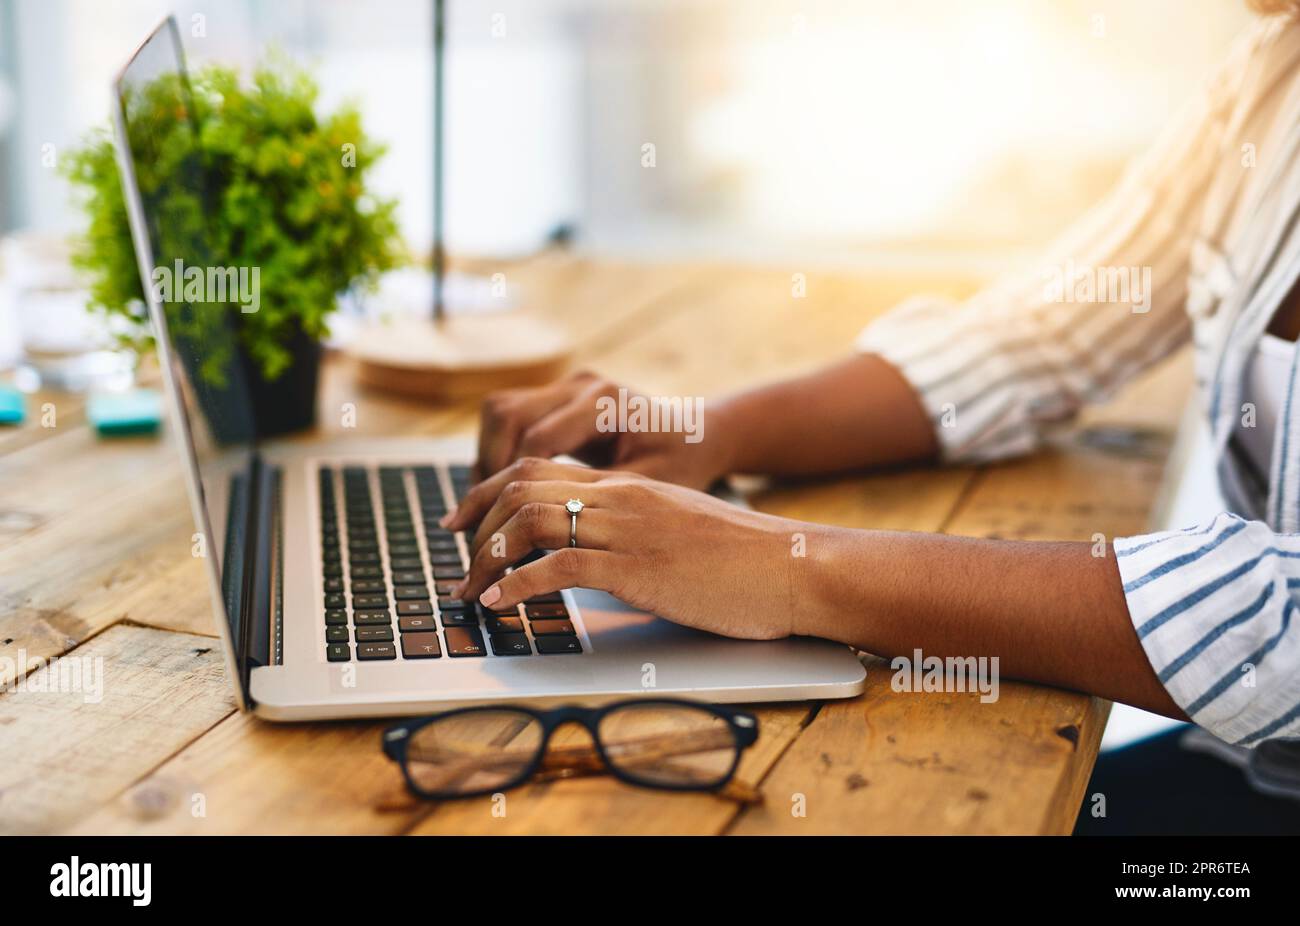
[562,418]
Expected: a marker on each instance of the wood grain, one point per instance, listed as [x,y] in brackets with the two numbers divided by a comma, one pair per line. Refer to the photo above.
[929,763]
[95,532]
[66,752]
[256,778]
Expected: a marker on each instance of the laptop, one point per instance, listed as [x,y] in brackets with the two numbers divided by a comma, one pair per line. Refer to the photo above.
[328,571]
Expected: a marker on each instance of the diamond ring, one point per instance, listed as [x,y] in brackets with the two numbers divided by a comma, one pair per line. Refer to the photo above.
[574,507]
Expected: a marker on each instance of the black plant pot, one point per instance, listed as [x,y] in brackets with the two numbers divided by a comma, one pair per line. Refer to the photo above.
[287,403]
[246,405]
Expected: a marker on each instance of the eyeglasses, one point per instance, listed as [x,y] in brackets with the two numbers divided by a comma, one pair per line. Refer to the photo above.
[668,744]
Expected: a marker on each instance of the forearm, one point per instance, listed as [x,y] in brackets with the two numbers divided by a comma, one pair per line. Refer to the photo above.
[854,414]
[1050,612]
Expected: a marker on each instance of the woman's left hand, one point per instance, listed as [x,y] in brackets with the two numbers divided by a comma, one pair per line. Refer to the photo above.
[673,551]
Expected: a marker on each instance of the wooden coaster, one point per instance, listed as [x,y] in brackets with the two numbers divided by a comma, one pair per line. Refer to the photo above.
[461,356]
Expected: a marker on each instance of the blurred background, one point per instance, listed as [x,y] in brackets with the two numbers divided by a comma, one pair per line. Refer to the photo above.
[812,130]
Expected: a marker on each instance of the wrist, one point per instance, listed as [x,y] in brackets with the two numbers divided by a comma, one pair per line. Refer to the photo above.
[726,433]
[818,579]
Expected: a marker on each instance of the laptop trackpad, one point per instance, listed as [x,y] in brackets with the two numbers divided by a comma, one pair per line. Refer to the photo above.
[613,623]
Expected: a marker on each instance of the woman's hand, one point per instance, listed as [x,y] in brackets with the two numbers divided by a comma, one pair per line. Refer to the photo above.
[562,417]
[663,548]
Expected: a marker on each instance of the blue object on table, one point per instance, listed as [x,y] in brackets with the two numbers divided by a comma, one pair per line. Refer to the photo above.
[112,414]
[13,407]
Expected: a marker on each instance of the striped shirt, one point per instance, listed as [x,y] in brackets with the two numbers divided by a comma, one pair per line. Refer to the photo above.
[1198,242]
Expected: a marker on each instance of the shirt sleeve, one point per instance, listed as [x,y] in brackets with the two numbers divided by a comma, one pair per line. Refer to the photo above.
[996,371]
[1214,608]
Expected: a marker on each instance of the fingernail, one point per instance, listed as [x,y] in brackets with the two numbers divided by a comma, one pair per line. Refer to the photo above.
[448,518]
[491,596]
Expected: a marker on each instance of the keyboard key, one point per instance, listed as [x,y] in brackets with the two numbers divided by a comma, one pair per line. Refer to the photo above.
[367,572]
[336,616]
[448,572]
[459,619]
[338,652]
[551,627]
[403,549]
[409,577]
[444,586]
[421,646]
[369,651]
[371,618]
[334,584]
[464,641]
[415,623]
[453,604]
[407,562]
[497,612]
[444,559]
[334,600]
[333,570]
[504,624]
[405,608]
[375,634]
[337,634]
[551,598]
[411,592]
[549,646]
[365,602]
[510,644]
[544,611]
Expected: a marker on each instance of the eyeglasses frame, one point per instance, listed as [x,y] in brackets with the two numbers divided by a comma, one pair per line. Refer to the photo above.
[397,739]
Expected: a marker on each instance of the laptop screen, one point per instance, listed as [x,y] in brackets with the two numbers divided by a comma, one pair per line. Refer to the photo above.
[190,285]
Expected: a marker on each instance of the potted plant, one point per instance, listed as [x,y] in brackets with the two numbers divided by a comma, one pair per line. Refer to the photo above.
[285,197]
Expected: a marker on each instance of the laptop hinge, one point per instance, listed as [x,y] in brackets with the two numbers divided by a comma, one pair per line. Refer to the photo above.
[252,648]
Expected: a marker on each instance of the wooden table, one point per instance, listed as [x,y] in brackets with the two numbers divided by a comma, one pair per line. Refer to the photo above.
[95,561]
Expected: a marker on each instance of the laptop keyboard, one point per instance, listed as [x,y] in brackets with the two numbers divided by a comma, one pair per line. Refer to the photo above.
[388,570]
